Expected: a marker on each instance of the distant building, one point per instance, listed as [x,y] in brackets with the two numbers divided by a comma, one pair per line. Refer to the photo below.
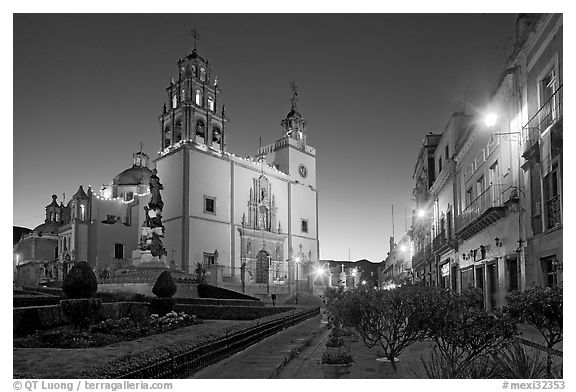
[350,274]
[397,267]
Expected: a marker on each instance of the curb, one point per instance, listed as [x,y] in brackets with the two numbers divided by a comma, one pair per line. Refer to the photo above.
[295,351]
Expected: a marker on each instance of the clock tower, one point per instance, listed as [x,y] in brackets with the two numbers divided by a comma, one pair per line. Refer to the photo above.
[292,155]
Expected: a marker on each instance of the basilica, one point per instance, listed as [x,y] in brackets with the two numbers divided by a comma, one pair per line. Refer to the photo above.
[253,216]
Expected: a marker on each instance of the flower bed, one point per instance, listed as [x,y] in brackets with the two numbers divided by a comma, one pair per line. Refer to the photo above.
[107,332]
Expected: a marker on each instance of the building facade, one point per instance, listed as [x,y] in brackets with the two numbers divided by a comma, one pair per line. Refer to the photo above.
[489,189]
[250,218]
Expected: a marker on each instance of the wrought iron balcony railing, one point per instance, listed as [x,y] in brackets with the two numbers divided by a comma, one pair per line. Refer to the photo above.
[554,212]
[440,240]
[549,114]
[493,196]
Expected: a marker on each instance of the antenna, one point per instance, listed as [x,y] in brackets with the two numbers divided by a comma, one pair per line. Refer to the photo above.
[392,221]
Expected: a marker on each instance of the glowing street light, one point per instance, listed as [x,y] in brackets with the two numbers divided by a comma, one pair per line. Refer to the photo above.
[421,213]
[403,248]
[490,120]
[364,282]
[297,262]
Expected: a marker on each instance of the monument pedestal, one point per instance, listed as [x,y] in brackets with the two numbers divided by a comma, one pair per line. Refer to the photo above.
[214,273]
[144,259]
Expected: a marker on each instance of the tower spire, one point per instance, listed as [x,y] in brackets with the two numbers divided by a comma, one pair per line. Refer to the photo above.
[294,99]
[194,34]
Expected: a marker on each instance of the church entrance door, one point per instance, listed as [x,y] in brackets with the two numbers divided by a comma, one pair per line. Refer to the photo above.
[262,267]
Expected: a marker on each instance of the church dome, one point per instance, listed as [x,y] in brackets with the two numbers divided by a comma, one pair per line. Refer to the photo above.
[47,228]
[136,175]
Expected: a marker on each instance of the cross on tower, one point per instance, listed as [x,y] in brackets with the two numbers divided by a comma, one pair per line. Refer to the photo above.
[294,94]
[141,146]
[195,35]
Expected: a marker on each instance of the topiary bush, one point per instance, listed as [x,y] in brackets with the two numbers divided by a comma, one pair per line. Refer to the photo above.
[81,311]
[80,282]
[165,287]
[79,287]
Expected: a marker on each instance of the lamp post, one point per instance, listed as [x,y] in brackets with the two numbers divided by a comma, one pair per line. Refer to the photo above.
[296,263]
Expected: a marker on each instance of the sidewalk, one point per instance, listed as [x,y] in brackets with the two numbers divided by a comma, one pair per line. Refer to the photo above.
[308,364]
[533,335]
[266,358]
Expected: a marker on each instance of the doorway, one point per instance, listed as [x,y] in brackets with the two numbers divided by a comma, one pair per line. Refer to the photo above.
[492,285]
[262,267]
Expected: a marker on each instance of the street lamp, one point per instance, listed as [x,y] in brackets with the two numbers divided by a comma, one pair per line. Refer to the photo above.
[297,262]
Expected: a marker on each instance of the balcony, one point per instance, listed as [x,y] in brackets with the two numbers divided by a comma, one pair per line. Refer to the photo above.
[548,115]
[554,211]
[483,211]
[441,242]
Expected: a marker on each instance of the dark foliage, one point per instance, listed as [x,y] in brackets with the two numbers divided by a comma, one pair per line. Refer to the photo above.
[165,287]
[81,312]
[209,291]
[540,307]
[337,358]
[80,282]
[162,306]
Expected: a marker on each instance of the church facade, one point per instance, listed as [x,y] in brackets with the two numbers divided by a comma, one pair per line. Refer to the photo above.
[251,219]
[255,215]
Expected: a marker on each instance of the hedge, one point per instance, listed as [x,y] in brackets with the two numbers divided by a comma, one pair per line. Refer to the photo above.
[34,300]
[27,320]
[211,312]
[209,291]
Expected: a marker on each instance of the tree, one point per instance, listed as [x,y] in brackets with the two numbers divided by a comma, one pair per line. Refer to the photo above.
[390,319]
[464,334]
[541,308]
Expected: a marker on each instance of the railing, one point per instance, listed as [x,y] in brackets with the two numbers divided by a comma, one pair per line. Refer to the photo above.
[548,114]
[491,197]
[440,240]
[554,212]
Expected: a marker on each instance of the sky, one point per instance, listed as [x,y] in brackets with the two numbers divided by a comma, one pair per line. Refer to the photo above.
[88,88]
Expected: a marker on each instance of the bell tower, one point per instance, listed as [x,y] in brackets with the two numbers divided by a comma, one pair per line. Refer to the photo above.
[192,114]
[292,154]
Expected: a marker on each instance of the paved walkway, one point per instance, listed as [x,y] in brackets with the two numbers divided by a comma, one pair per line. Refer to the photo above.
[266,358]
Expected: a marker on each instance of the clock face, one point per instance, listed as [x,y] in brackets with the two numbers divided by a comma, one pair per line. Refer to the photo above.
[302,171]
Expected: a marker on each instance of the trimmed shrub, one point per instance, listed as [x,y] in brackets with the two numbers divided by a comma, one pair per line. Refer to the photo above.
[81,311]
[211,312]
[80,282]
[165,287]
[162,306]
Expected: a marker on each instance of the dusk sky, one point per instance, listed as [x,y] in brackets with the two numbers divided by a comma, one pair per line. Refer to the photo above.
[89,88]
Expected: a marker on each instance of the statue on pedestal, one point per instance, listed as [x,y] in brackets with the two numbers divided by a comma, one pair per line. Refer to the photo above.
[153,229]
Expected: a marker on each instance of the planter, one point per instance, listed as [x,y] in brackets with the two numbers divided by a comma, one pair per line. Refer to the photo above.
[335,350]
[336,371]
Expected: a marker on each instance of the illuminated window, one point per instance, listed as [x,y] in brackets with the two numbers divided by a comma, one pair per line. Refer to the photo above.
[182,95]
[198,98]
[174,101]
[202,74]
[82,212]
[211,103]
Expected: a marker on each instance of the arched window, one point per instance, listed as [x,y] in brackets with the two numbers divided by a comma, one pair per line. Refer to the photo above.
[166,142]
[198,98]
[174,101]
[216,135]
[82,212]
[182,95]
[178,131]
[193,70]
[202,74]
[200,128]
[211,103]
